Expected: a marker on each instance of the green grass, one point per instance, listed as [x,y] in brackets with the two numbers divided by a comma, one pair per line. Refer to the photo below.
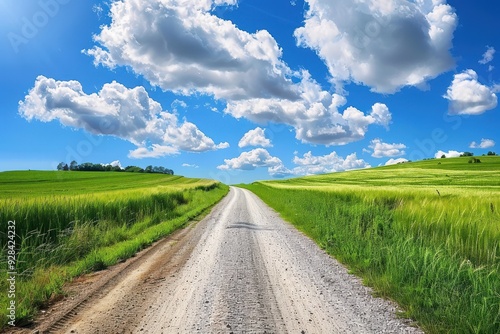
[424,234]
[69,223]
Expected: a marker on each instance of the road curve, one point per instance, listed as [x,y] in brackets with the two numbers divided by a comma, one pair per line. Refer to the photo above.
[240,270]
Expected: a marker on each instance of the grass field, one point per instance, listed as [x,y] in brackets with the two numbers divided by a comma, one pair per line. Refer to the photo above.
[425,234]
[69,223]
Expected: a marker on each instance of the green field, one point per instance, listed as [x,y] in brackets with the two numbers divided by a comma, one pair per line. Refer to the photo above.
[425,234]
[69,223]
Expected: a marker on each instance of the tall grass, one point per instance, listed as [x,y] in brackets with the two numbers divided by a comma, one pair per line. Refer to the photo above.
[62,236]
[438,256]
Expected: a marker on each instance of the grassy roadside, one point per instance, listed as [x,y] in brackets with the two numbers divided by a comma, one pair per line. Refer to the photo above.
[61,237]
[436,253]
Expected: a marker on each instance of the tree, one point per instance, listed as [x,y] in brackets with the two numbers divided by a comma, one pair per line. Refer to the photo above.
[467,154]
[443,156]
[65,167]
[134,169]
[491,153]
[73,165]
[149,169]
[61,166]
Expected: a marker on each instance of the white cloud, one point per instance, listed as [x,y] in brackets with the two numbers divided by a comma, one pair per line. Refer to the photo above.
[186,49]
[255,137]
[469,97]
[315,117]
[118,111]
[381,149]
[395,161]
[279,171]
[115,163]
[178,104]
[310,164]
[155,151]
[449,154]
[385,45]
[190,165]
[485,143]
[223,145]
[251,160]
[488,55]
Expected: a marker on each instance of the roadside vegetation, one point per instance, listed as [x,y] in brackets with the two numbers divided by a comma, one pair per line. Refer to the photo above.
[71,223]
[425,234]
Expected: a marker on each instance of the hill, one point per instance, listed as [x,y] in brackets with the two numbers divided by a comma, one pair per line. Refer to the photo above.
[436,172]
[426,234]
[22,184]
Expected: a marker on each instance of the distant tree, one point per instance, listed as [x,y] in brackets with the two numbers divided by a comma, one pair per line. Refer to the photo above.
[89,166]
[443,156]
[160,169]
[491,153]
[134,169]
[466,154]
[73,165]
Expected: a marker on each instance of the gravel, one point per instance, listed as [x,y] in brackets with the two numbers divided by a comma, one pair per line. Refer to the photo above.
[242,269]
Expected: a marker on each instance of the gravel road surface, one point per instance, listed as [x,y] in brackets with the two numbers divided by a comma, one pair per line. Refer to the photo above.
[242,269]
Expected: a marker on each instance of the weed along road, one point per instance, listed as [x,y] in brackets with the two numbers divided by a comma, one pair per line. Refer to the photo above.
[242,269]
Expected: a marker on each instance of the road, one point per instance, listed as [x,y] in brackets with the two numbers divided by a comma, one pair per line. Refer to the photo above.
[242,269]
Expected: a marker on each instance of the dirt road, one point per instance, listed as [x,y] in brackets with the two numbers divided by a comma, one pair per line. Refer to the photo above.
[240,270]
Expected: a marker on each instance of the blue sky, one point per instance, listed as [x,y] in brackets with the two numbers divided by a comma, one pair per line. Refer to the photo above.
[246,90]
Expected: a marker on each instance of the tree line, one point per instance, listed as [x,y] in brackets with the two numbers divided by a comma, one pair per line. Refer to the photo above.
[91,167]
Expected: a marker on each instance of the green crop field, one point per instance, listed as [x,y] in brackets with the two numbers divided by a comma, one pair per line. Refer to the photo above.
[425,234]
[69,223]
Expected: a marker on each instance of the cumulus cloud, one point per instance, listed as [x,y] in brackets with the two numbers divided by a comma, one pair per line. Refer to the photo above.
[385,45]
[381,149]
[279,171]
[316,116]
[449,154]
[255,137]
[115,163]
[488,55]
[251,160]
[485,143]
[181,46]
[467,96]
[310,164]
[395,161]
[127,113]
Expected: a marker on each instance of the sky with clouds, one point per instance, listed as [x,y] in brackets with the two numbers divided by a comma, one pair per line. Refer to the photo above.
[241,90]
